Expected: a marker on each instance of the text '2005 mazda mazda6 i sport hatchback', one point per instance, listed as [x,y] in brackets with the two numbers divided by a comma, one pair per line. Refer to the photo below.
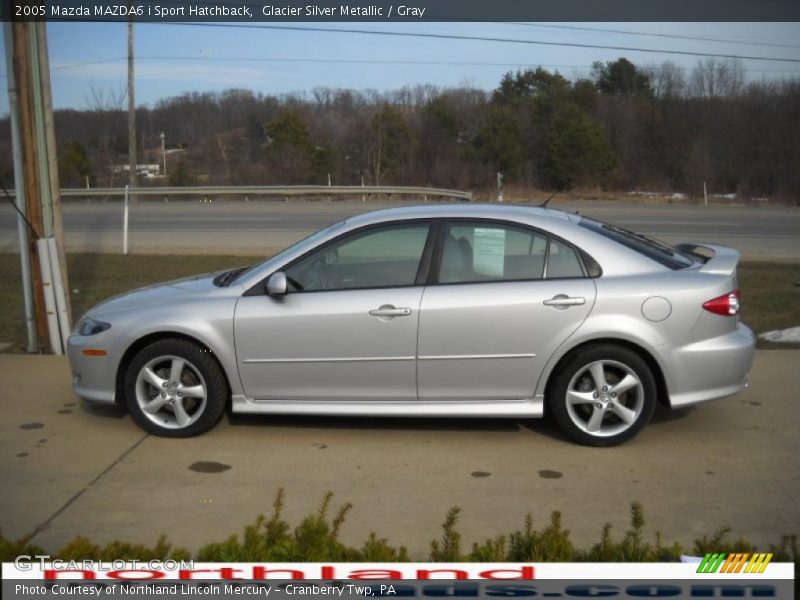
[454,310]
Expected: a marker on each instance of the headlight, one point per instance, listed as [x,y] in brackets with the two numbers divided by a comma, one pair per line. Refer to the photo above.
[90,326]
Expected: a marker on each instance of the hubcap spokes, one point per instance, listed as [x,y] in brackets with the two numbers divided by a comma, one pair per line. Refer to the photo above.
[605,398]
[171,392]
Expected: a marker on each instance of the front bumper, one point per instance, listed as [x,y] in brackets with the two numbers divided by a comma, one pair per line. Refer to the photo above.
[93,377]
[711,369]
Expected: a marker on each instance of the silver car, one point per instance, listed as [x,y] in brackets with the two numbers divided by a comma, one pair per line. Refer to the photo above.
[455,310]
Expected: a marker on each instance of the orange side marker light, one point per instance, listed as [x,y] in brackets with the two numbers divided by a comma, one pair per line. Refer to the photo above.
[93,352]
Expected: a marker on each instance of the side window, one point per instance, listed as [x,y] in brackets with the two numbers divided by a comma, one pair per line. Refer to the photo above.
[385,257]
[563,261]
[474,252]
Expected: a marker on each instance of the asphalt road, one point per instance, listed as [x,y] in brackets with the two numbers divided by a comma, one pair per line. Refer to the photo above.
[69,470]
[261,227]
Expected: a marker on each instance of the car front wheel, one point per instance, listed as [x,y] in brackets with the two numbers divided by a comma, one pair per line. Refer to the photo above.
[174,388]
[603,395]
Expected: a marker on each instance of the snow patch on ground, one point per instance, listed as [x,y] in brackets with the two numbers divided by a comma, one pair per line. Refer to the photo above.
[675,195]
[782,335]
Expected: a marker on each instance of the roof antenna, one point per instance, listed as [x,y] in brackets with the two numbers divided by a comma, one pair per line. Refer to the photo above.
[544,204]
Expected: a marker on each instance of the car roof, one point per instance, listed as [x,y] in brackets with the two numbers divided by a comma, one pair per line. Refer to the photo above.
[463,209]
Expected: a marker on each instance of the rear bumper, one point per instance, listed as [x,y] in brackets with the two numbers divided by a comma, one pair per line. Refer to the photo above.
[711,369]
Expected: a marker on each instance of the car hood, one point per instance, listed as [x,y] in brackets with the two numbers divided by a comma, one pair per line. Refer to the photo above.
[169,291]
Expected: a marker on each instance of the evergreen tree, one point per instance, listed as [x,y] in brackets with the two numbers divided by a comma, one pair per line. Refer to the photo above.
[74,166]
[621,77]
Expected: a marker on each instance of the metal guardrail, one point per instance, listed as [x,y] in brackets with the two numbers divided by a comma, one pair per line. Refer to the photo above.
[269,190]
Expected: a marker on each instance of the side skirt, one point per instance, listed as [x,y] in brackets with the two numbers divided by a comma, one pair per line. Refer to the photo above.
[530,408]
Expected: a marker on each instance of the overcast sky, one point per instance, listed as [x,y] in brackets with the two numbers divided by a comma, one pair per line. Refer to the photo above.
[173,59]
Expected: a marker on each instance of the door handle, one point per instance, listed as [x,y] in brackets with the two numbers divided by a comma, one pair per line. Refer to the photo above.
[564,301]
[387,311]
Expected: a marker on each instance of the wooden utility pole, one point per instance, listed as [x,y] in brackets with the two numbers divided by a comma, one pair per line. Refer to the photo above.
[36,171]
[23,229]
[131,112]
[29,162]
[52,159]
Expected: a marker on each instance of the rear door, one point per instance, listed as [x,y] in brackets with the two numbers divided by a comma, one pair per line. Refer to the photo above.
[504,298]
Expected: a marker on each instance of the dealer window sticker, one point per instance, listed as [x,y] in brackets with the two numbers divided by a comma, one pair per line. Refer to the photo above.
[489,251]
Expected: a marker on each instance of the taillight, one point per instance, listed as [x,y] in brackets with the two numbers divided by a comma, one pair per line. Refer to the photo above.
[726,305]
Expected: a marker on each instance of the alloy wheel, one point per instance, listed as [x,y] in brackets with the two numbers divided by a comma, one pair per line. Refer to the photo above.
[605,398]
[171,392]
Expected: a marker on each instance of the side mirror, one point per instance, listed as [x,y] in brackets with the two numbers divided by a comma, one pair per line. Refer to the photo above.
[276,284]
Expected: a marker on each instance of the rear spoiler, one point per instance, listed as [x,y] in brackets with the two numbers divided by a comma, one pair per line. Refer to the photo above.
[719,260]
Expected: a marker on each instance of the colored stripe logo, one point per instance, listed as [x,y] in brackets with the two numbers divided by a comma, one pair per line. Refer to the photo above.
[737,562]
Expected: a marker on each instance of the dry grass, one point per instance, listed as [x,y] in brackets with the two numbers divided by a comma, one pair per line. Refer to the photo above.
[770,297]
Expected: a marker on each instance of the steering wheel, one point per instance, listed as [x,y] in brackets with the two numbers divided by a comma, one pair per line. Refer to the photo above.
[317,277]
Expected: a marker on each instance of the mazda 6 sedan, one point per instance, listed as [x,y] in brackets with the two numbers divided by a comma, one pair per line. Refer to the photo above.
[436,311]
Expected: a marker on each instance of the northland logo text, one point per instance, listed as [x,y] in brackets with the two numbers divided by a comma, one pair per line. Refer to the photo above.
[60,570]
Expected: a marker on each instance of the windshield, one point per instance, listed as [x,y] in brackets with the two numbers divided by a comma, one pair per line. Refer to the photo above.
[649,247]
[310,239]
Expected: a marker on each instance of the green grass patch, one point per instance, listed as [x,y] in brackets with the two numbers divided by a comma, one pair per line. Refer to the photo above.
[316,539]
[770,292]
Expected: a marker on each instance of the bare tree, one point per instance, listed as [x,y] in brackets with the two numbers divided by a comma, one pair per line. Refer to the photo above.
[107,105]
[667,80]
[102,99]
[715,78]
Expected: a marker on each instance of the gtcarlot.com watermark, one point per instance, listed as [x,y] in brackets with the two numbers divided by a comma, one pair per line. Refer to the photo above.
[45,562]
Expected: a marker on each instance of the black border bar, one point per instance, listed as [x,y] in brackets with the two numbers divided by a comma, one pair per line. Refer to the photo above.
[404,11]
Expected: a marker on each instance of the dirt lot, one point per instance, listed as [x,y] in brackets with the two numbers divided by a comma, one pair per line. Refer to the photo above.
[68,469]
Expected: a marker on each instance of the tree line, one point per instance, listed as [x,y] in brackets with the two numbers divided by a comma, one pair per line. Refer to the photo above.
[623,128]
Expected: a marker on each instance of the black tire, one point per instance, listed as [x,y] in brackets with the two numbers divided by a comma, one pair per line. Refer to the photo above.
[199,361]
[575,366]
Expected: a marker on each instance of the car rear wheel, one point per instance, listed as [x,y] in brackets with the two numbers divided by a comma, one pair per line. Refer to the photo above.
[603,395]
[174,388]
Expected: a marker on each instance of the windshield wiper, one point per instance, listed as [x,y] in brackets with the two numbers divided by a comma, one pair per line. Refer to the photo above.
[228,277]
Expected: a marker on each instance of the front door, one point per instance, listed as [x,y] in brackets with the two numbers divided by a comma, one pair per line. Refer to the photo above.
[347,329]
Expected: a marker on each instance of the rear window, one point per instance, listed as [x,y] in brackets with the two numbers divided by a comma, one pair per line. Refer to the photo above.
[652,249]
